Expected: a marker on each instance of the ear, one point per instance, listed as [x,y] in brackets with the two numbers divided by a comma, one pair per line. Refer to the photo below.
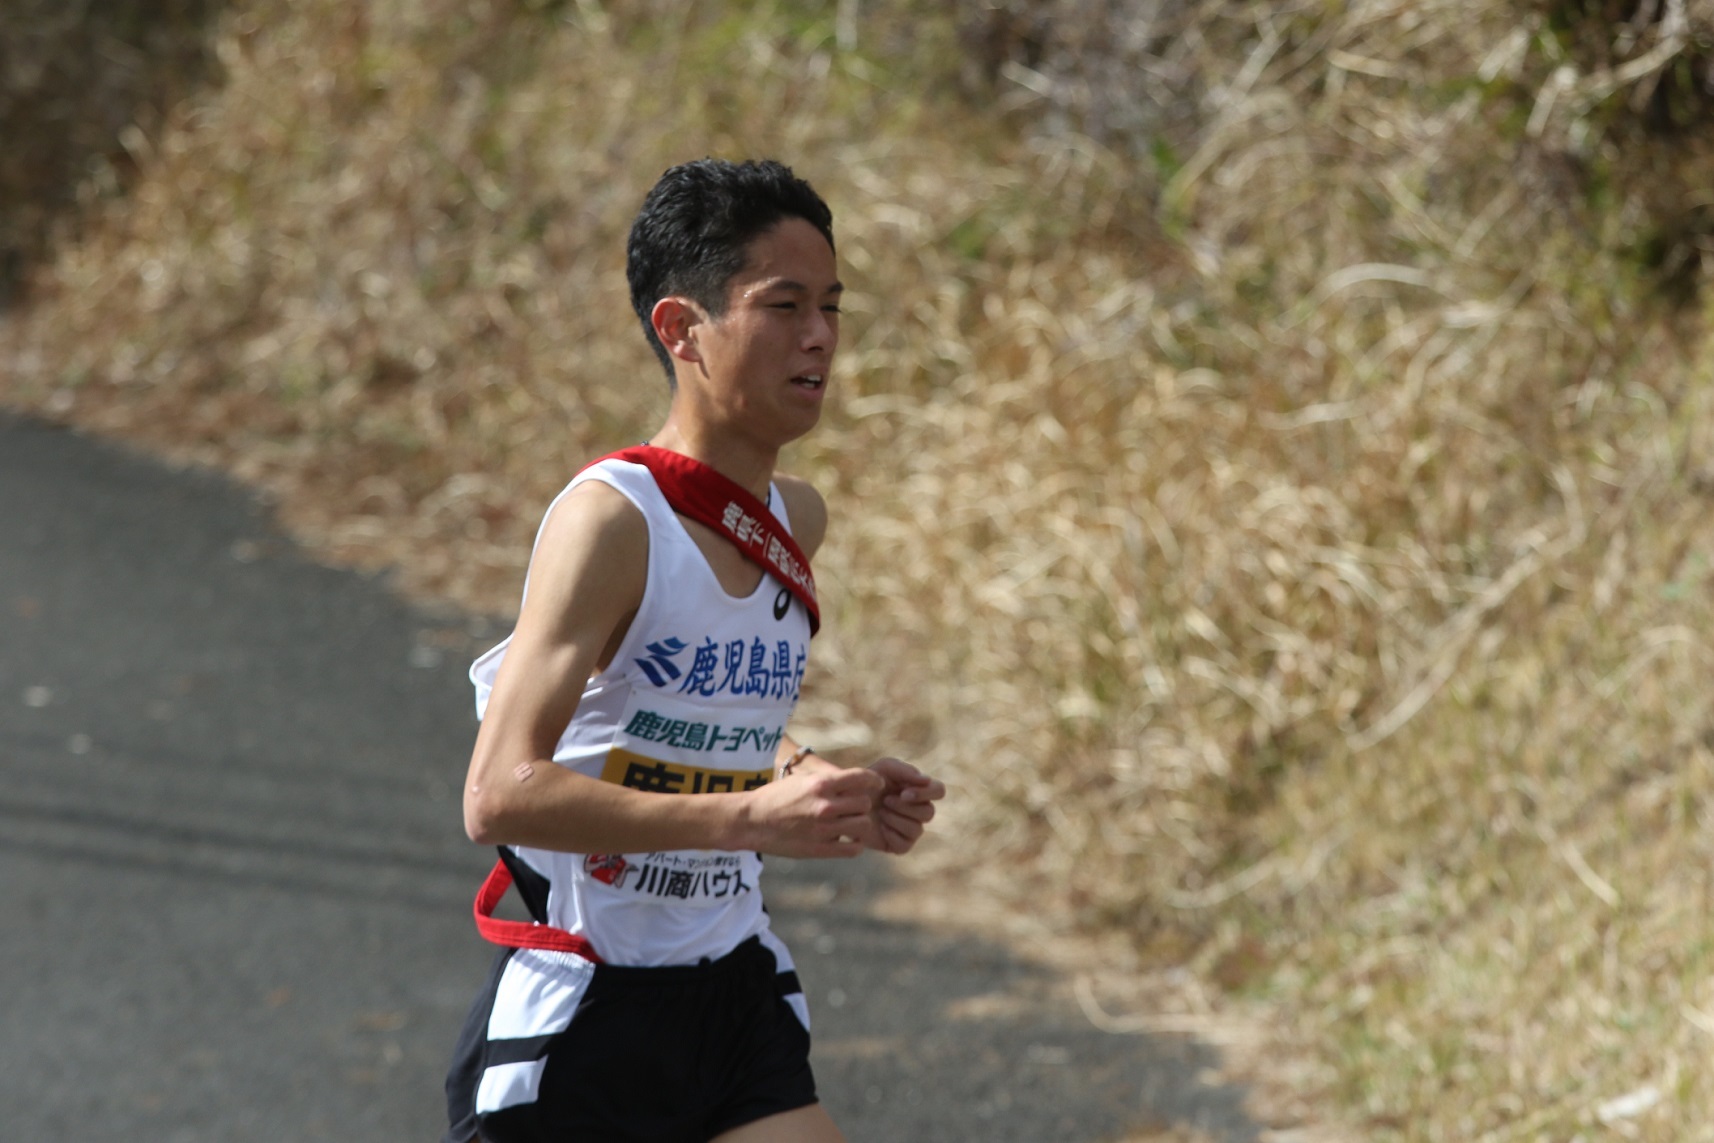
[674,318]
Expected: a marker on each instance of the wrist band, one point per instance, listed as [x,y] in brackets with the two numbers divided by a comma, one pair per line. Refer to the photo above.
[801,753]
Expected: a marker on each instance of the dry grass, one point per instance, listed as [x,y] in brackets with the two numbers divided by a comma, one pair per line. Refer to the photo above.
[1294,547]
[77,82]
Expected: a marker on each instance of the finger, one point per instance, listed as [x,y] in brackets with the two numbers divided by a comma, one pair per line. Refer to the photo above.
[841,847]
[910,827]
[857,828]
[919,811]
[848,812]
[908,778]
[853,782]
[897,842]
[897,771]
[897,819]
[853,807]
[866,834]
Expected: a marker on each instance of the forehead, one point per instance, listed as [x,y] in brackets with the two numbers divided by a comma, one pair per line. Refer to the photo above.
[792,251]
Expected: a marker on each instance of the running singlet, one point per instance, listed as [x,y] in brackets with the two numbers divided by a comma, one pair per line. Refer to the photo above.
[695,701]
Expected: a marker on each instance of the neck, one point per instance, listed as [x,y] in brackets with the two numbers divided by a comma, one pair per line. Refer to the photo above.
[746,463]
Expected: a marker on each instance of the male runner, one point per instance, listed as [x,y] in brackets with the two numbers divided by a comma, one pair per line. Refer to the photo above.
[632,763]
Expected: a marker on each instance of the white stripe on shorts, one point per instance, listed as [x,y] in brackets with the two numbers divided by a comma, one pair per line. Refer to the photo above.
[538,994]
[783,958]
[507,1085]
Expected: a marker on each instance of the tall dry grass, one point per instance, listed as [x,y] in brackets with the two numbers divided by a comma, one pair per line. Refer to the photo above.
[1277,501]
[76,81]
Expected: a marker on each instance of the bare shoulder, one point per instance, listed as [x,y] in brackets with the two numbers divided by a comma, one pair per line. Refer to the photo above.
[593,513]
[807,510]
[592,557]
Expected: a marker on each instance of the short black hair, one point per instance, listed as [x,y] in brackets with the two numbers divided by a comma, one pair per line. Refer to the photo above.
[694,228]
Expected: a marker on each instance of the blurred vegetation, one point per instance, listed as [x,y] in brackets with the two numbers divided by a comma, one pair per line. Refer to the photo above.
[1270,455]
[83,84]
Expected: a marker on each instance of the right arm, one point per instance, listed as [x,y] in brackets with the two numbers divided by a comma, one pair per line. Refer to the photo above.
[586,584]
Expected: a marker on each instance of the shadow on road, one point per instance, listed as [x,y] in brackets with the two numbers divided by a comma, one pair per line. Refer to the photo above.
[927,1035]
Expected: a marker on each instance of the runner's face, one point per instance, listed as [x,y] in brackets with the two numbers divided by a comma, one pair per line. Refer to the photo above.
[766,360]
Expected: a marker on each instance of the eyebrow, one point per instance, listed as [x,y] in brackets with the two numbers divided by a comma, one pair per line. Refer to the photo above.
[790,284]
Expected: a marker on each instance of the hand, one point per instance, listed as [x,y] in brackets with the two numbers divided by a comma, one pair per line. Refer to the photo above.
[904,805]
[822,813]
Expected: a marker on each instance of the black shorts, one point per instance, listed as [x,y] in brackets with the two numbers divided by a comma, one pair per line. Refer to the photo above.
[655,1055]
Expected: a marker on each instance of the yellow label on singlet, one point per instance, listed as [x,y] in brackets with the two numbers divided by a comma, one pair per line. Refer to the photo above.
[640,772]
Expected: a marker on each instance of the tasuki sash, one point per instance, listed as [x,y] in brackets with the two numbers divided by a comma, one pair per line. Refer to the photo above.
[709,497]
[522,934]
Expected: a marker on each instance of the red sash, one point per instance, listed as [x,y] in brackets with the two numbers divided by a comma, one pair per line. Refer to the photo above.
[708,497]
[522,934]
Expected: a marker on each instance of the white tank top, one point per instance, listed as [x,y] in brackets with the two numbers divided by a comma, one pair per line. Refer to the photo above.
[695,700]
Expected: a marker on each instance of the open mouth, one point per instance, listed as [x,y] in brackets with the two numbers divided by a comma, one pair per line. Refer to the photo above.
[810,381]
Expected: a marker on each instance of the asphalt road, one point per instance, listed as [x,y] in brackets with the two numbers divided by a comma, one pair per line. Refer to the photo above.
[236,893]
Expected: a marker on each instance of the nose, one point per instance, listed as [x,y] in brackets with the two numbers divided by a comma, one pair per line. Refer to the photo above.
[821,332]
